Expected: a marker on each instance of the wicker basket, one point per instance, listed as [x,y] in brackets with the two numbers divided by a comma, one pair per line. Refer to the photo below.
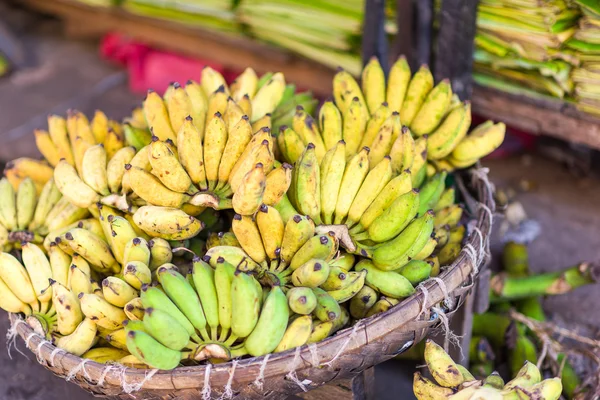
[276,376]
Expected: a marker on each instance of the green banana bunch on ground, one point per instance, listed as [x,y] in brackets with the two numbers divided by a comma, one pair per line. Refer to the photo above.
[453,381]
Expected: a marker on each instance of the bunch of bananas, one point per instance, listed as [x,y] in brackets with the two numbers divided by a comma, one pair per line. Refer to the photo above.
[21,168]
[26,216]
[453,381]
[190,233]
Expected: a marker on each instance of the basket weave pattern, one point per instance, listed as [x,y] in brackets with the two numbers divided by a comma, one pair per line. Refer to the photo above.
[276,376]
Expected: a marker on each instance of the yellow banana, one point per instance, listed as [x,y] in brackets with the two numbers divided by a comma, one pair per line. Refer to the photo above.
[418,88]
[355,122]
[277,184]
[354,175]
[433,109]
[166,222]
[271,228]
[93,169]
[191,152]
[115,140]
[290,144]
[374,183]
[233,113]
[452,130]
[39,271]
[441,366]
[378,117]
[296,334]
[9,302]
[80,146]
[259,147]
[39,171]
[217,103]
[48,199]
[398,80]
[245,84]
[320,330]
[332,170]
[248,234]
[57,129]
[419,168]
[91,247]
[68,311]
[8,205]
[81,340]
[268,96]
[167,168]
[345,89]
[179,107]
[373,84]
[305,126]
[362,302]
[424,389]
[16,278]
[248,196]
[101,311]
[59,263]
[199,106]
[160,251]
[105,355]
[307,184]
[151,189]
[330,123]
[73,187]
[215,140]
[157,116]
[238,137]
[298,230]
[26,202]
[99,126]
[212,80]
[478,144]
[115,168]
[44,143]
[118,292]
[387,135]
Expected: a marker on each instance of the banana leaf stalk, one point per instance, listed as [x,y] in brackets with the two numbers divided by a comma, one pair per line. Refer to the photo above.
[503,287]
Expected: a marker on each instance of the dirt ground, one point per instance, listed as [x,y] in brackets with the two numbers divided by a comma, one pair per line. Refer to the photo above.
[61,74]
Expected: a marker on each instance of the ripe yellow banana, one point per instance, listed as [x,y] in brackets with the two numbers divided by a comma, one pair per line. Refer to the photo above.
[419,167]
[151,189]
[16,278]
[418,88]
[247,232]
[332,170]
[296,334]
[442,367]
[167,222]
[72,187]
[298,230]
[44,143]
[57,129]
[277,184]
[478,144]
[81,340]
[115,168]
[238,137]
[167,168]
[271,227]
[233,113]
[290,144]
[26,202]
[199,106]
[433,109]
[9,302]
[68,311]
[212,80]
[373,84]
[101,311]
[39,271]
[217,103]
[387,135]
[345,89]
[249,195]
[179,107]
[424,389]
[362,302]
[356,170]
[305,126]
[378,117]
[355,122]
[8,205]
[330,123]
[215,140]
[267,98]
[94,169]
[453,129]
[157,115]
[307,188]
[245,83]
[398,80]
[118,292]
[91,247]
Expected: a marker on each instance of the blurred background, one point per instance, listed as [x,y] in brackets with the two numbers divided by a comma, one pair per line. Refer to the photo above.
[534,65]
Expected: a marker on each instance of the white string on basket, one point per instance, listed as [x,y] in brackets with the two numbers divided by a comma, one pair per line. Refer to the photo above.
[343,347]
[206,390]
[105,372]
[228,392]
[75,370]
[38,351]
[314,354]
[11,337]
[425,291]
[28,339]
[258,382]
[472,254]
[449,336]
[53,354]
[134,387]
[447,299]
[292,371]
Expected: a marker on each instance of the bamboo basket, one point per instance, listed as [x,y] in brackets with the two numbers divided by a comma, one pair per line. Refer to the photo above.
[277,376]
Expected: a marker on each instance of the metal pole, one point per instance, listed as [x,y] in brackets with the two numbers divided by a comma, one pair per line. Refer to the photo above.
[374,41]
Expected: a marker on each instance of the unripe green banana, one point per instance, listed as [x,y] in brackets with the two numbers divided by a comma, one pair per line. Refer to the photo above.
[137,274]
[321,247]
[428,249]
[341,321]
[362,302]
[80,341]
[356,282]
[327,308]
[394,219]
[153,297]
[133,325]
[204,283]
[447,198]
[118,292]
[301,300]
[311,274]
[290,144]
[388,283]
[101,311]
[245,304]
[224,272]
[416,271]
[165,329]
[343,260]
[397,252]
[48,199]
[271,325]
[431,191]
[26,203]
[150,351]
[449,134]
[298,230]
[184,296]
[296,334]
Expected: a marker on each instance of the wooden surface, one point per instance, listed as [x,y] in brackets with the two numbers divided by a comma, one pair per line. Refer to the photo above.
[361,387]
[233,52]
[454,46]
[538,116]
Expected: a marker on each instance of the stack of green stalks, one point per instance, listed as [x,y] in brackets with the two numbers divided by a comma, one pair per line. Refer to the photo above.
[518,46]
[586,44]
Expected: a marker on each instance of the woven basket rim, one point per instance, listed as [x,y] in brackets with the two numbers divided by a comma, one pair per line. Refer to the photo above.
[457,277]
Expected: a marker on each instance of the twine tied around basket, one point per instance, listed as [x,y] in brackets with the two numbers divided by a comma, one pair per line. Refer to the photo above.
[476,256]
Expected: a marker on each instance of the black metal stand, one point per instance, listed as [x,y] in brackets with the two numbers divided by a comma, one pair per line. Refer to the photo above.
[374,41]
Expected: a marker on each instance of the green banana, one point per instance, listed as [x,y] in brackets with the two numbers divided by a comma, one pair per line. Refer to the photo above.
[204,283]
[327,308]
[301,300]
[245,304]
[388,283]
[356,282]
[321,247]
[150,351]
[271,325]
[311,274]
[416,271]
[362,301]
